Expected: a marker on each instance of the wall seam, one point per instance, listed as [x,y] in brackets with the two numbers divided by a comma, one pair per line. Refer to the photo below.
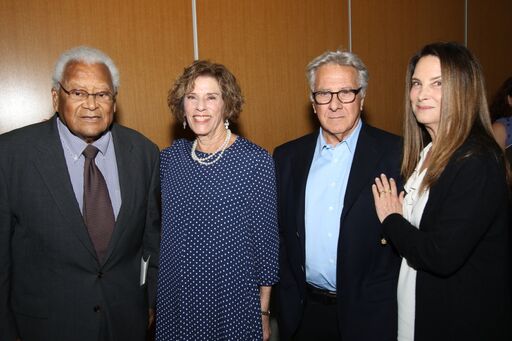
[349,4]
[194,30]
[466,23]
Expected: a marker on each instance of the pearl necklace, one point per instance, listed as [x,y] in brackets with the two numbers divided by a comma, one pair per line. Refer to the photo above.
[205,161]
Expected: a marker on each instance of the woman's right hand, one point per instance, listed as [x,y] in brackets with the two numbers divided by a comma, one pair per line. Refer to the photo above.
[386,197]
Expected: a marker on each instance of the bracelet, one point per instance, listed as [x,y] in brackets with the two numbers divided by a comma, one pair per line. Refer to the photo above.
[265,313]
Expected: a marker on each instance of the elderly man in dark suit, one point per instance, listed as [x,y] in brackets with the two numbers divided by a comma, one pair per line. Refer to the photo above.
[79,215]
[338,275]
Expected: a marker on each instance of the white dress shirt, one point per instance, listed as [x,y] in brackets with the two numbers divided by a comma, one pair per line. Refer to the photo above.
[413,206]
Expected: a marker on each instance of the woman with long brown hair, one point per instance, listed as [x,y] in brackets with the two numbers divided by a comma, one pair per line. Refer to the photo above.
[451,226]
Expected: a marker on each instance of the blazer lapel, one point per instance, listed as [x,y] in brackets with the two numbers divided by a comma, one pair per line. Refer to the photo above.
[51,164]
[123,148]
[302,164]
[363,165]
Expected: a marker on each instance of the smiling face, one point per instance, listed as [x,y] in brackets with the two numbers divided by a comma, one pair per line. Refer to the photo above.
[338,120]
[204,108]
[425,93]
[88,119]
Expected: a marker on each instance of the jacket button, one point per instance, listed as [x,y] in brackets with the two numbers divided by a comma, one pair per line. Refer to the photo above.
[298,235]
[100,274]
[96,308]
[302,268]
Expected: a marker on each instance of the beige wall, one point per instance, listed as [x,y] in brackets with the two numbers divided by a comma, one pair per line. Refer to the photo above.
[266,43]
[385,35]
[490,38]
[149,41]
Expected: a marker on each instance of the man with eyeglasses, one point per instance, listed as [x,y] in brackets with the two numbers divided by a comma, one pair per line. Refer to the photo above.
[79,215]
[338,275]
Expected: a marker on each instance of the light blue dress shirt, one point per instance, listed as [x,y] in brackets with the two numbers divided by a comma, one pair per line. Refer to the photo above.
[325,193]
[105,160]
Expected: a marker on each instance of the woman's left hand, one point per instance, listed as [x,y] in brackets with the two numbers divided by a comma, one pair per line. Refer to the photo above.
[386,197]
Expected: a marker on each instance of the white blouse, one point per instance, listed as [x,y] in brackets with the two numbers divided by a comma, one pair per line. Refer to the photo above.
[413,206]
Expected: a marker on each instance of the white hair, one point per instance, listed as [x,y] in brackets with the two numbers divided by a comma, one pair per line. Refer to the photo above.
[342,58]
[87,55]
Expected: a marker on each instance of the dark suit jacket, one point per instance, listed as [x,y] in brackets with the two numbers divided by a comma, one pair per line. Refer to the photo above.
[51,284]
[508,153]
[367,271]
[461,251]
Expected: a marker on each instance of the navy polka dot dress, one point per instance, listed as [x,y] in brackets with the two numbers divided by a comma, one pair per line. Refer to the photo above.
[219,243]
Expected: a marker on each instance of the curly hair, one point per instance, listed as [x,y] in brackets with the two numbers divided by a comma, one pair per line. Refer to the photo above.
[231,92]
[87,55]
[500,106]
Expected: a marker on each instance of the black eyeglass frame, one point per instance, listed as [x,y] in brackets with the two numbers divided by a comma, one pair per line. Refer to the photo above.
[332,93]
[68,92]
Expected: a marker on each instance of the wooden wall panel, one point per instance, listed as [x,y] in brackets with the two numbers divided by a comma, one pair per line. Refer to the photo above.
[267,45]
[149,41]
[385,35]
[489,37]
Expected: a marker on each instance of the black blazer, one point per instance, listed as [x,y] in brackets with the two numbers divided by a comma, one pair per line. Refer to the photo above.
[461,250]
[367,271]
[51,284]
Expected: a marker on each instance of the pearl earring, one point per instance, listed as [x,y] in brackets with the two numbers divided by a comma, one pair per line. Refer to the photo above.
[226,124]
[184,124]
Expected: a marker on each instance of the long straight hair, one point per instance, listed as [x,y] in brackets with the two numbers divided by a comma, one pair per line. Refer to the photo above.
[463,107]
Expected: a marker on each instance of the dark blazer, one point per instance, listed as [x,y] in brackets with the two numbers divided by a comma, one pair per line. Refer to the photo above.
[367,270]
[461,250]
[51,284]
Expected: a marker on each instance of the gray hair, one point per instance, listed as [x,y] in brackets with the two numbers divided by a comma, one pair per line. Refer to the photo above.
[342,58]
[87,55]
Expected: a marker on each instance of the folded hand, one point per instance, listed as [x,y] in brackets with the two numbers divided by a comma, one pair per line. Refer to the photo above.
[386,197]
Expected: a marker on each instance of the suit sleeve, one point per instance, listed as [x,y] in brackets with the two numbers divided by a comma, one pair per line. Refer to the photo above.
[286,276]
[151,243]
[8,330]
[462,213]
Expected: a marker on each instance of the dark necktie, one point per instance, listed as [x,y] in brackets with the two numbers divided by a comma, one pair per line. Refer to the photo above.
[98,212]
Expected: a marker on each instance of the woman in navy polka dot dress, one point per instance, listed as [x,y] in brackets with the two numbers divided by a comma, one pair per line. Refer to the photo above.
[219,249]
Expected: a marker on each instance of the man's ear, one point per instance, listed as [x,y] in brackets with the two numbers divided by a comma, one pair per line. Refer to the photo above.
[55,100]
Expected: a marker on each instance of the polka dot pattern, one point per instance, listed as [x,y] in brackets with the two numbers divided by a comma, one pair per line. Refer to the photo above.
[219,243]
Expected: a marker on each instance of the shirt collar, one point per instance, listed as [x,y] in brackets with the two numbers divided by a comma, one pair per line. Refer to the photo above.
[75,145]
[351,140]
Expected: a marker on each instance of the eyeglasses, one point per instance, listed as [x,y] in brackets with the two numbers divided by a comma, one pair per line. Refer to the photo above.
[79,95]
[345,96]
